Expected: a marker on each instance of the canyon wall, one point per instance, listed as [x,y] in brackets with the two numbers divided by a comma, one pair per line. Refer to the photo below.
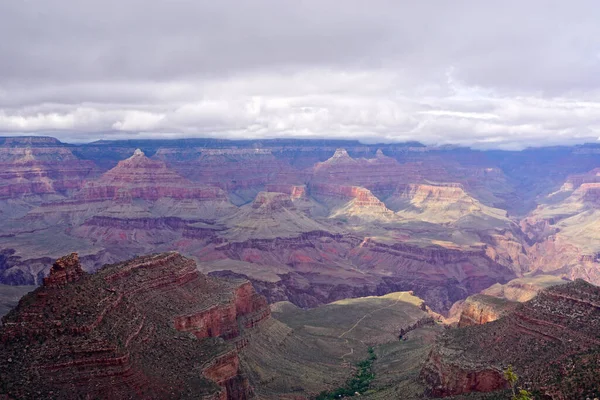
[125,332]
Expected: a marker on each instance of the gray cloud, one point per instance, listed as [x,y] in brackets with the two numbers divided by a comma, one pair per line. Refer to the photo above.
[487,74]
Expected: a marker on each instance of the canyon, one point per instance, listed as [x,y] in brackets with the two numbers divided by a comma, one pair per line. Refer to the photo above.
[483,239]
[306,221]
[155,327]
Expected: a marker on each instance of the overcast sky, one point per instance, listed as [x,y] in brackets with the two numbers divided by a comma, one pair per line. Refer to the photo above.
[490,74]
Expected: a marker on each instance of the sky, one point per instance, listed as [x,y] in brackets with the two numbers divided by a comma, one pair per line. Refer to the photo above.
[487,74]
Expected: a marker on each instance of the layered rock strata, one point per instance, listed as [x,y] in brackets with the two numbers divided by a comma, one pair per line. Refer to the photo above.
[552,341]
[151,327]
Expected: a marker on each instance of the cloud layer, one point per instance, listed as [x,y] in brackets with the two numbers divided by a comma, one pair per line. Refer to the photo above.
[505,75]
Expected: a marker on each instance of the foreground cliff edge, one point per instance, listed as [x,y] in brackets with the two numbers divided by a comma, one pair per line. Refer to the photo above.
[155,327]
[553,342]
[150,327]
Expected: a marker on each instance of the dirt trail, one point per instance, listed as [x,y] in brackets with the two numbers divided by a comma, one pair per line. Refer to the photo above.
[358,322]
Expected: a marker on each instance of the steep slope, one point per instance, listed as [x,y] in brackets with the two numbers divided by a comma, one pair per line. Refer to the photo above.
[138,206]
[271,215]
[499,299]
[564,230]
[553,341]
[242,173]
[149,327]
[40,166]
[353,203]
[306,351]
[34,170]
[154,327]
[380,173]
[441,203]
[10,295]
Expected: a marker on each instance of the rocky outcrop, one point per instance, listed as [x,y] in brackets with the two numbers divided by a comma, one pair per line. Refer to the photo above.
[442,203]
[64,270]
[378,173]
[449,379]
[563,230]
[552,342]
[481,309]
[499,300]
[125,332]
[222,320]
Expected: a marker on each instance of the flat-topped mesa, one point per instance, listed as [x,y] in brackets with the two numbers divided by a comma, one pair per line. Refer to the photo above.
[236,152]
[130,331]
[64,270]
[17,141]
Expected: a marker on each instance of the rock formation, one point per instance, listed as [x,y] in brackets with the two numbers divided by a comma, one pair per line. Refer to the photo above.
[564,231]
[441,203]
[64,270]
[314,221]
[351,202]
[499,299]
[552,341]
[140,177]
[240,172]
[38,167]
[481,309]
[151,327]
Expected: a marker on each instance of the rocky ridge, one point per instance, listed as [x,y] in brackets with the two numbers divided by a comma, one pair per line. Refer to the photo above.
[552,341]
[149,327]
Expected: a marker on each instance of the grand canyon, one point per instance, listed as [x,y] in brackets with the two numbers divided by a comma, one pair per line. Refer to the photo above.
[218,269]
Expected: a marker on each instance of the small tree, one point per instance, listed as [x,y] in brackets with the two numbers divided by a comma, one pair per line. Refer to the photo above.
[512,378]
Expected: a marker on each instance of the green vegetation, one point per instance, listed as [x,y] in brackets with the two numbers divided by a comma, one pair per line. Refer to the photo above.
[512,378]
[359,383]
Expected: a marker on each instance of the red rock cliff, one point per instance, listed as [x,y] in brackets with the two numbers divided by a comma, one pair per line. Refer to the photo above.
[124,332]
